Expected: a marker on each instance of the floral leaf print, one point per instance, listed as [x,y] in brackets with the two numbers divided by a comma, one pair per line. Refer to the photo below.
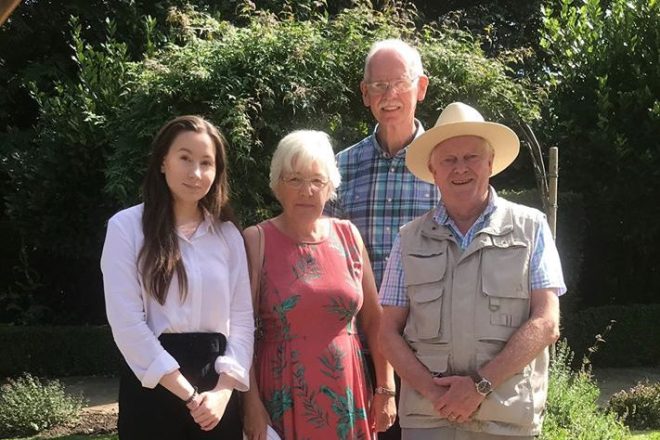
[313,413]
[345,311]
[306,268]
[344,407]
[281,310]
[332,361]
[279,402]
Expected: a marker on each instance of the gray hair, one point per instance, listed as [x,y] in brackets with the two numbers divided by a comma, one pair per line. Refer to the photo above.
[409,53]
[304,147]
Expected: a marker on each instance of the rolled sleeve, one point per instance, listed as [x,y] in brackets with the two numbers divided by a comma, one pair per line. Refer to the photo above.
[125,309]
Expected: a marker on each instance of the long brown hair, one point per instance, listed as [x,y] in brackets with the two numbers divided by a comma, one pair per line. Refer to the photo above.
[160,256]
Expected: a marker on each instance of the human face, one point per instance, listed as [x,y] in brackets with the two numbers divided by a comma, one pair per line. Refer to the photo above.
[304,192]
[461,168]
[189,167]
[392,108]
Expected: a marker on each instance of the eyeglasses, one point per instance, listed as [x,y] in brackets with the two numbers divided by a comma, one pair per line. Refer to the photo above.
[317,183]
[400,85]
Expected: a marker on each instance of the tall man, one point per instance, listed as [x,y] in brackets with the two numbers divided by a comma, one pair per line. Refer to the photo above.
[377,193]
[470,293]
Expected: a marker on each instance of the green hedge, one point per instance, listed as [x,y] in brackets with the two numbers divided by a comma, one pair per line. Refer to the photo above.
[57,351]
[634,339]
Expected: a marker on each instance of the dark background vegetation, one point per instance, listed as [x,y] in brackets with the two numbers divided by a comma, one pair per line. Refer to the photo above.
[84,85]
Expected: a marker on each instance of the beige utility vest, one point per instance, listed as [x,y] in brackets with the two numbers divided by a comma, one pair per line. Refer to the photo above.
[464,307]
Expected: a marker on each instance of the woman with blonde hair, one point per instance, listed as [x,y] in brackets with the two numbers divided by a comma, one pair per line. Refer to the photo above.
[312,285]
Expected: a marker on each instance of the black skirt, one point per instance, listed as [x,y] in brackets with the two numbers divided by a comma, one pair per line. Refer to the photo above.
[146,414]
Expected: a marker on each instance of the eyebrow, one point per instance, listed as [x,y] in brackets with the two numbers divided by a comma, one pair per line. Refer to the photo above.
[189,151]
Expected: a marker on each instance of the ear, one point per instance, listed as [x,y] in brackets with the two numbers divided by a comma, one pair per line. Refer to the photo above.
[366,100]
[422,85]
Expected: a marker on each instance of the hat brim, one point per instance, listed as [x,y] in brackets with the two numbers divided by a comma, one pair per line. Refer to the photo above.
[504,141]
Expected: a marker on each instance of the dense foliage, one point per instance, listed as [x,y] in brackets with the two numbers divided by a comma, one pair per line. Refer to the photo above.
[28,406]
[638,407]
[258,81]
[604,114]
[572,412]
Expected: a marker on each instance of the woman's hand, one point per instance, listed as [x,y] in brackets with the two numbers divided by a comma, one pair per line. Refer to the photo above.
[383,412]
[255,419]
[209,407]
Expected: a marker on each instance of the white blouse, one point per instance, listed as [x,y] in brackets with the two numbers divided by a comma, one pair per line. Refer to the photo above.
[218,298]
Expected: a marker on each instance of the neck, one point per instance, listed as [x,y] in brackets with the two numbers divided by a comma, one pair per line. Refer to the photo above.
[186,213]
[392,138]
[301,230]
[465,216]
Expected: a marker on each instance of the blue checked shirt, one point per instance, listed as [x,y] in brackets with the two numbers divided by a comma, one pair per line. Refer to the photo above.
[379,195]
[545,266]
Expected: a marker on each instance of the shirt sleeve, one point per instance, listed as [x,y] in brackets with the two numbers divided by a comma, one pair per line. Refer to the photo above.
[237,360]
[393,288]
[546,272]
[125,308]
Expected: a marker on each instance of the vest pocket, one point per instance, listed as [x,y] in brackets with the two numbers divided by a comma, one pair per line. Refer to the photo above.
[411,402]
[505,285]
[511,402]
[424,274]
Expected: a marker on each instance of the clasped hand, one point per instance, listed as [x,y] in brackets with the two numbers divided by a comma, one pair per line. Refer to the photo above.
[208,407]
[459,400]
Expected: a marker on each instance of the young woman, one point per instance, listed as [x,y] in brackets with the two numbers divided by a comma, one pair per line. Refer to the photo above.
[177,293]
[316,285]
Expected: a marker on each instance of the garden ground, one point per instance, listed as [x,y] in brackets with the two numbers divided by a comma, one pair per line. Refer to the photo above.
[100,413]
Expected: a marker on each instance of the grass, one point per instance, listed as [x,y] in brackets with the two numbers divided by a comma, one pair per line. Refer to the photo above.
[645,435]
[75,437]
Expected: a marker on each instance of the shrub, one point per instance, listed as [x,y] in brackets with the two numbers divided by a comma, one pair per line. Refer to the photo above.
[638,407]
[572,411]
[633,341]
[85,157]
[28,405]
[603,113]
[58,351]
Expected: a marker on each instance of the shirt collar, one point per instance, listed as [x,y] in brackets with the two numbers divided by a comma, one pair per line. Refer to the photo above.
[441,216]
[419,130]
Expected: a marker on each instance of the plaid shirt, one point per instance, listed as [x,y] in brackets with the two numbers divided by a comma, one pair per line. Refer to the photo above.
[545,267]
[379,195]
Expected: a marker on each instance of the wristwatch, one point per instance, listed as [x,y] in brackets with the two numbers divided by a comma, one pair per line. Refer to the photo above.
[482,385]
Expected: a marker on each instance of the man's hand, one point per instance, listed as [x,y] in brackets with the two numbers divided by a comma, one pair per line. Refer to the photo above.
[460,400]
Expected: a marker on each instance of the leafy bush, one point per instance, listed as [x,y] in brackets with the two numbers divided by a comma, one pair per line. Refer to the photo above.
[86,155]
[638,407]
[58,351]
[572,411]
[28,405]
[604,114]
[634,339]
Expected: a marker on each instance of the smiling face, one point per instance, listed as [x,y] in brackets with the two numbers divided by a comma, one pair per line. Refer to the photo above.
[392,107]
[304,192]
[189,167]
[461,168]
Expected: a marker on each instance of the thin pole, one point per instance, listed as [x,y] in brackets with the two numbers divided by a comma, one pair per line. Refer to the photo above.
[553,175]
[6,8]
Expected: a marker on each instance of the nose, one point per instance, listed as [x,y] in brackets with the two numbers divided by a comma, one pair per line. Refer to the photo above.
[196,171]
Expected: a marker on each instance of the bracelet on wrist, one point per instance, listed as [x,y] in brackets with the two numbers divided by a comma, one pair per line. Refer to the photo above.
[194,394]
[385,391]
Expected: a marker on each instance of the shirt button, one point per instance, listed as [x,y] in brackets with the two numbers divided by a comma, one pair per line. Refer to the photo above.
[387,228]
[392,169]
[389,200]
[427,195]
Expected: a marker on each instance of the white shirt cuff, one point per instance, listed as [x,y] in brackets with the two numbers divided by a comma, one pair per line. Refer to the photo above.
[161,366]
[227,365]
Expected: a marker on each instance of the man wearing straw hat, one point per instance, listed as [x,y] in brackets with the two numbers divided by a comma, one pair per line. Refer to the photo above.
[470,293]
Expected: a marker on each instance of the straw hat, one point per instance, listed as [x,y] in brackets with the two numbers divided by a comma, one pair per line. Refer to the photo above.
[458,119]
